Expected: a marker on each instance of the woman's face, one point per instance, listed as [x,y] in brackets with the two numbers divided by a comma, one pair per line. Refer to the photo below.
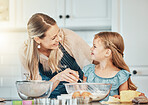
[98,51]
[52,38]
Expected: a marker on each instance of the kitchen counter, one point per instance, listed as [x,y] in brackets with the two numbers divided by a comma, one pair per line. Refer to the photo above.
[57,102]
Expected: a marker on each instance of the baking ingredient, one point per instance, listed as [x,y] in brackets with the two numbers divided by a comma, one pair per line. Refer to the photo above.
[128,95]
[111,100]
[140,100]
[76,94]
[97,96]
[33,90]
[86,94]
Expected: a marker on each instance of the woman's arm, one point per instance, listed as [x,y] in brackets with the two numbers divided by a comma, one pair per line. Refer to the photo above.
[67,75]
[55,81]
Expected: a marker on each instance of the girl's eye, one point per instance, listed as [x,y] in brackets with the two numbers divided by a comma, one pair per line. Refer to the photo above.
[94,46]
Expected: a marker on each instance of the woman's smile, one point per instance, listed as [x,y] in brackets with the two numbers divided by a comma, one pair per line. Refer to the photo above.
[56,44]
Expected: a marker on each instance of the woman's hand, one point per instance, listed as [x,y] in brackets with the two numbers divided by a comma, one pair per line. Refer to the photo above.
[68,75]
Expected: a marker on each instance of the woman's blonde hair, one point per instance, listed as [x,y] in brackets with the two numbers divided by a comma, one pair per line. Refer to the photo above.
[37,25]
[114,41]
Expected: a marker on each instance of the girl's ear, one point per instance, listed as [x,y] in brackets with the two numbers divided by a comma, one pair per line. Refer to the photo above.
[108,52]
[37,39]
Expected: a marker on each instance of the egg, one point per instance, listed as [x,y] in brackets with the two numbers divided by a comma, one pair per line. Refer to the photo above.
[86,94]
[76,94]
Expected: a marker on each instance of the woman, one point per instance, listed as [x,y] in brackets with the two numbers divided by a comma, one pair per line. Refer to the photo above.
[53,54]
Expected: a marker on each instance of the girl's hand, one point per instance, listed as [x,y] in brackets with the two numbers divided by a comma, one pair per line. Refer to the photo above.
[84,78]
[117,96]
[142,94]
[68,75]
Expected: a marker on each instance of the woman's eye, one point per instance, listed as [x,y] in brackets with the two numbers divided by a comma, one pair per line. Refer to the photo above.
[54,37]
[94,46]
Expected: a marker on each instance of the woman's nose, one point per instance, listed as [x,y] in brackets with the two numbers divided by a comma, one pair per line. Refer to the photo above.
[59,38]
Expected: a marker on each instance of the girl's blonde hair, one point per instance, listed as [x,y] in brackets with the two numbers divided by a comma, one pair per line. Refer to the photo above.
[114,41]
[37,25]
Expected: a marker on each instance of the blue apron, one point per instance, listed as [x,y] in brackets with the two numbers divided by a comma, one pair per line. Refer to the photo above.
[67,61]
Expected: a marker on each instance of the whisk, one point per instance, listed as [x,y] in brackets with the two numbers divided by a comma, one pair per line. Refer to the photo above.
[91,88]
[27,76]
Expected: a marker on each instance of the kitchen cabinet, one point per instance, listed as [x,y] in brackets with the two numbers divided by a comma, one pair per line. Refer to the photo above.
[139,78]
[140,82]
[131,20]
[26,8]
[68,13]
[88,13]
[129,17]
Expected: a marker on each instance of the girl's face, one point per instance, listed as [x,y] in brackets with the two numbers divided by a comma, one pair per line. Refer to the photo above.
[98,51]
[52,38]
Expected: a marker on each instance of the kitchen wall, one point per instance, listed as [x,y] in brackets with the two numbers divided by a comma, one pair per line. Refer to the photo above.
[10,67]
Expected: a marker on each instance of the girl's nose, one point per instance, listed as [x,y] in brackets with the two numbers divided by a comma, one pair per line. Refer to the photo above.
[91,48]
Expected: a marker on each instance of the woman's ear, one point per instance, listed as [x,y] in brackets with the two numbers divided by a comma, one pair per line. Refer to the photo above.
[37,39]
[108,52]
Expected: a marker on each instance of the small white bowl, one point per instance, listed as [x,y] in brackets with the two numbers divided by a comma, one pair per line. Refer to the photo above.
[33,89]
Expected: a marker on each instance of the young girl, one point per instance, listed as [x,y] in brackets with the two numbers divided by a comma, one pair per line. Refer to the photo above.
[109,66]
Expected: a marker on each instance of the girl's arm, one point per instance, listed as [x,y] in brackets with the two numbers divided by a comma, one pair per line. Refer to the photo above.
[124,86]
[84,78]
